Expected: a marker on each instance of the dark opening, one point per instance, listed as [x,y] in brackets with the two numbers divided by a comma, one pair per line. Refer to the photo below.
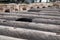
[38,7]
[49,6]
[24,8]
[24,20]
[7,10]
[4,21]
[43,7]
[31,7]
[16,9]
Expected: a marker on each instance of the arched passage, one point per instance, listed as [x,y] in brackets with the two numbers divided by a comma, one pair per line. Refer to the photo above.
[37,6]
[43,7]
[24,8]
[7,10]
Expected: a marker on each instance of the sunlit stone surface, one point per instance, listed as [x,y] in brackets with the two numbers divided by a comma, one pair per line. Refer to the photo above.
[35,21]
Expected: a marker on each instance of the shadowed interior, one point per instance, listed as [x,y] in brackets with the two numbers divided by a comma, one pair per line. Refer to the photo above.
[7,10]
[24,20]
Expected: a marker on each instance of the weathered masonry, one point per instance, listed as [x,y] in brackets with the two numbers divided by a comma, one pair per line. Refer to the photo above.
[22,7]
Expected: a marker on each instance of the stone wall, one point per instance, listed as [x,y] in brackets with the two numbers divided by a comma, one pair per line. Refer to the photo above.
[22,7]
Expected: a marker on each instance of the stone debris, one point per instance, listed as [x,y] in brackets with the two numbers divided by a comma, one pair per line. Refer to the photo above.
[35,24]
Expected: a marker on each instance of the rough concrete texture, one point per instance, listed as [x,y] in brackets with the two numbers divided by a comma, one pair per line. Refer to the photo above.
[28,34]
[22,7]
[9,38]
[22,25]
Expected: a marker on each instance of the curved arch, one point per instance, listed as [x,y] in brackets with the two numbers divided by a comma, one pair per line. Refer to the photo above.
[24,8]
[7,10]
[37,6]
[49,6]
[43,7]
[16,9]
[31,7]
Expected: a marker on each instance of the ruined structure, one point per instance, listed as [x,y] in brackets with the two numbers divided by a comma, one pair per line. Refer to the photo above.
[34,21]
[13,7]
[22,7]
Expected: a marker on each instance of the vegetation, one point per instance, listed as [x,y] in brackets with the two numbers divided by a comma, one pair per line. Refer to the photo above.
[11,1]
[19,1]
